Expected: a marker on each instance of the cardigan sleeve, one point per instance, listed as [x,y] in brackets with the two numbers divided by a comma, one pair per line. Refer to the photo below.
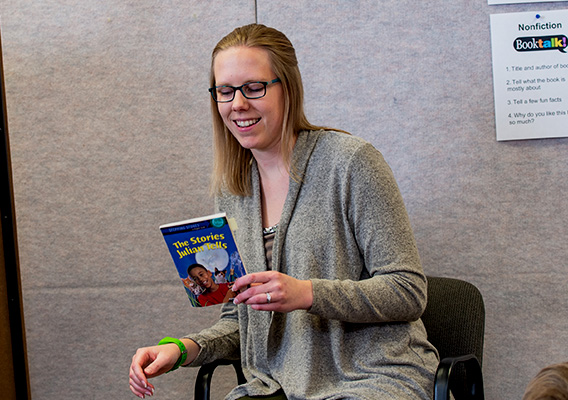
[392,286]
[221,340]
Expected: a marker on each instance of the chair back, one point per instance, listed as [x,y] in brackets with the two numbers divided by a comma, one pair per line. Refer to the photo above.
[455,317]
[455,322]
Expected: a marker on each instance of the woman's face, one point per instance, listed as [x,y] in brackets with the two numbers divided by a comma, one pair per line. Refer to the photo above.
[255,123]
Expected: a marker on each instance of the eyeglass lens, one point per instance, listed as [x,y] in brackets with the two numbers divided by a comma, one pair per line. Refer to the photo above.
[252,90]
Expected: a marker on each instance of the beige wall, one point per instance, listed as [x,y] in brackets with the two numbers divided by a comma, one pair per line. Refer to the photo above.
[110,135]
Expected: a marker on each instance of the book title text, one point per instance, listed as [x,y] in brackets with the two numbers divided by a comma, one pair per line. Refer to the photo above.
[200,243]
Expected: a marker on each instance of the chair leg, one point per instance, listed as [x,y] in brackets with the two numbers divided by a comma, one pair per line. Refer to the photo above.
[474,377]
[202,389]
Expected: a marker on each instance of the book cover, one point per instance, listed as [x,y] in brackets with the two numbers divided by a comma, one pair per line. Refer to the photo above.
[206,257]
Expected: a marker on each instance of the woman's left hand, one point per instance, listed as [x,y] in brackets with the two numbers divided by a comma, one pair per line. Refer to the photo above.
[273,291]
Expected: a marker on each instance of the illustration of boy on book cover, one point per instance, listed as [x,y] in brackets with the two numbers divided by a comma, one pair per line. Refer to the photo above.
[206,258]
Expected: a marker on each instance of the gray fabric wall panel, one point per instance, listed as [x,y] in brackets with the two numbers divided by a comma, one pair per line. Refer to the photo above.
[109,112]
[110,133]
[416,80]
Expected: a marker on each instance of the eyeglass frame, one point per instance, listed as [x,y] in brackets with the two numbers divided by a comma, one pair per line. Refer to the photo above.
[240,88]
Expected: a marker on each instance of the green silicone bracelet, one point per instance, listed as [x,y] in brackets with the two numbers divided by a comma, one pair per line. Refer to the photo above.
[183,355]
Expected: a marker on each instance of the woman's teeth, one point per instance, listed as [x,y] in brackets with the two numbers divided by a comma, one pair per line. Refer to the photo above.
[249,122]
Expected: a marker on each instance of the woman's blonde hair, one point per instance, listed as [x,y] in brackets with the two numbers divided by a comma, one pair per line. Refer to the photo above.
[232,163]
[551,383]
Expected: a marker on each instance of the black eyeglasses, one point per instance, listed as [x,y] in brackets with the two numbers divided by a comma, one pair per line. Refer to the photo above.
[251,90]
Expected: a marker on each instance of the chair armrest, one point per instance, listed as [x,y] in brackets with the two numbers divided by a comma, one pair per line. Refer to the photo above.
[473,374]
[203,380]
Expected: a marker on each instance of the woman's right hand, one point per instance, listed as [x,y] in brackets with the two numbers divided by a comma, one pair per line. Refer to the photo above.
[152,361]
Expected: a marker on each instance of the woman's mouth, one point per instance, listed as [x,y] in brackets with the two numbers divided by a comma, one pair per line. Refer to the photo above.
[246,123]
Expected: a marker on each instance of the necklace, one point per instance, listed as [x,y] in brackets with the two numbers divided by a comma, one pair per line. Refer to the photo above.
[270,229]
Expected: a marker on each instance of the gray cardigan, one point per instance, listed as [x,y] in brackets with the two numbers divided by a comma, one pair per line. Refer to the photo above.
[345,227]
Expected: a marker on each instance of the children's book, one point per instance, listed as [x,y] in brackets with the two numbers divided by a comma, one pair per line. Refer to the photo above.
[206,257]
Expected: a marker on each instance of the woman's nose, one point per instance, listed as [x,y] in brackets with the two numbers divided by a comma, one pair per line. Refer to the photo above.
[240,101]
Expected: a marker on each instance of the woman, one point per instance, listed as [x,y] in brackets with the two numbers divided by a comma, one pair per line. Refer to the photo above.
[331,303]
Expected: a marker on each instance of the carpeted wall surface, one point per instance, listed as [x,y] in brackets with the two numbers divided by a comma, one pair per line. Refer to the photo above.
[109,125]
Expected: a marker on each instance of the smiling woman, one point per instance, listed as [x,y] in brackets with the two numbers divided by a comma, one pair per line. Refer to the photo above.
[255,123]
[232,162]
[340,253]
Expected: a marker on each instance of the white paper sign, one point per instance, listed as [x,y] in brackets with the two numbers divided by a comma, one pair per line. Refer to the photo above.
[494,2]
[530,74]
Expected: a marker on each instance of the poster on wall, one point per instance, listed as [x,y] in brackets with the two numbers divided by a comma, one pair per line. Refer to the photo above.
[495,2]
[530,74]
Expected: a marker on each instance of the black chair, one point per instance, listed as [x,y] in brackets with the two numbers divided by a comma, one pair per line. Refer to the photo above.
[455,321]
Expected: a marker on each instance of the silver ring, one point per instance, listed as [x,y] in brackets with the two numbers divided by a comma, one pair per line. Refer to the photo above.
[268,297]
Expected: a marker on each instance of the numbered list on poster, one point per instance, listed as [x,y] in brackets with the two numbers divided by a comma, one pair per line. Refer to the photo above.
[530,74]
